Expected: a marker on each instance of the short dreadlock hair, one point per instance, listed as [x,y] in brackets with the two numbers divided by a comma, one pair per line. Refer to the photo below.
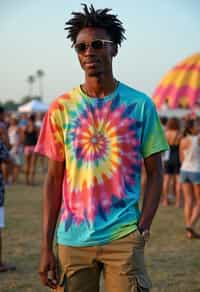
[100,18]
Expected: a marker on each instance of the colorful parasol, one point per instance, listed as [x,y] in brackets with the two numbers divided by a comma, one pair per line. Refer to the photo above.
[180,88]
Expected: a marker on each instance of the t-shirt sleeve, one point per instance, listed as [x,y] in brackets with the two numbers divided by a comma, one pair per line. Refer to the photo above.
[153,137]
[51,138]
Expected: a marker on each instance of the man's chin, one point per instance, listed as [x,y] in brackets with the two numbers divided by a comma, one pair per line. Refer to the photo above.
[93,73]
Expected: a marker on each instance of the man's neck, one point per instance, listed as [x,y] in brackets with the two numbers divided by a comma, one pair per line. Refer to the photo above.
[99,86]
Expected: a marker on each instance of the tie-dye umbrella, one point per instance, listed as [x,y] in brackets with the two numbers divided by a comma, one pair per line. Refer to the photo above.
[180,88]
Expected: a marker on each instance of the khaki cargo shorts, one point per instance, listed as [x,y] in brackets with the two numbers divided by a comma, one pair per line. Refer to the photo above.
[119,265]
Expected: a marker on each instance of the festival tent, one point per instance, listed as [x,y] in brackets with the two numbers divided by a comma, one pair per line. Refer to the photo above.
[180,87]
[33,106]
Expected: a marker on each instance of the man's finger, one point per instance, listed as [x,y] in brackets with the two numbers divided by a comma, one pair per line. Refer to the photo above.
[51,283]
[54,276]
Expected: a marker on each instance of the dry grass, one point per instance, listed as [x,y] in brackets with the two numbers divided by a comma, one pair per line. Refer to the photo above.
[173,261]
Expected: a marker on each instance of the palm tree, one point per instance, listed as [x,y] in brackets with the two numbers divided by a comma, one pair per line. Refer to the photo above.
[40,75]
[31,80]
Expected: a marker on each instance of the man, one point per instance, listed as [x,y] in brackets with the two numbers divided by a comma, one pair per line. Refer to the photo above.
[4,157]
[95,137]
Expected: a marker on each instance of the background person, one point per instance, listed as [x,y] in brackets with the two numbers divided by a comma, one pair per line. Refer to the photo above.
[172,162]
[190,175]
[30,136]
[16,148]
[4,157]
[5,140]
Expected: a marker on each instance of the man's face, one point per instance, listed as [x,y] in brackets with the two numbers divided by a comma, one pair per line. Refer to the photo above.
[95,61]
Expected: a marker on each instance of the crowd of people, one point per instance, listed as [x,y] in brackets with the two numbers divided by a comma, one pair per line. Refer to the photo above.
[18,137]
[19,133]
[182,169]
[181,163]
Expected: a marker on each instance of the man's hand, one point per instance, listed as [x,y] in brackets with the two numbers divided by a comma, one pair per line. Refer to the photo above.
[47,269]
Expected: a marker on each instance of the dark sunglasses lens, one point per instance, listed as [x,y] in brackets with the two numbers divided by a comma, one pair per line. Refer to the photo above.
[80,47]
[98,44]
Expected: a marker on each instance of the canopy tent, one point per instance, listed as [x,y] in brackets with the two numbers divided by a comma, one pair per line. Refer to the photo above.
[33,106]
[180,87]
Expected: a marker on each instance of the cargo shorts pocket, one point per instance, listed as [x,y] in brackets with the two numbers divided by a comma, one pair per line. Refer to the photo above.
[143,284]
[135,266]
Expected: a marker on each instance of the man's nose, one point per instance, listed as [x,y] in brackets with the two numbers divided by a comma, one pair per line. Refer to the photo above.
[89,50]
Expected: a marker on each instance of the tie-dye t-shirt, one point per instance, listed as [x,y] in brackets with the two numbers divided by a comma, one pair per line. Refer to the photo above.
[102,141]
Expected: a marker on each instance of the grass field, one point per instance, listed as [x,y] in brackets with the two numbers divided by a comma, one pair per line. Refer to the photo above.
[173,261]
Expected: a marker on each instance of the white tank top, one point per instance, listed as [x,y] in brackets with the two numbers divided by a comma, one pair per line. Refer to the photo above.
[13,135]
[191,160]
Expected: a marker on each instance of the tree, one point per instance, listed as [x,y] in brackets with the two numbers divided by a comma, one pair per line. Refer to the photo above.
[10,105]
[31,80]
[40,75]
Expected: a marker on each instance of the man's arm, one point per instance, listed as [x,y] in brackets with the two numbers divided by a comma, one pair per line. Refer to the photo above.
[52,197]
[153,190]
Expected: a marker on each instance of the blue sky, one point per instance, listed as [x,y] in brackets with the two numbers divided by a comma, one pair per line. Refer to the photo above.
[159,34]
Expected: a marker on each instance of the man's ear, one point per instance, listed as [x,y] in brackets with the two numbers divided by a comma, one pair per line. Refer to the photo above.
[115,51]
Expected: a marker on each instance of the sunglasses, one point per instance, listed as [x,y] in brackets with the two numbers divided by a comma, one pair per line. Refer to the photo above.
[96,45]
